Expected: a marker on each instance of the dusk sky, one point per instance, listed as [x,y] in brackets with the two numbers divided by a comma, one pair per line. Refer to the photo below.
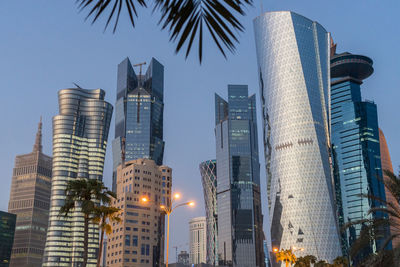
[46,46]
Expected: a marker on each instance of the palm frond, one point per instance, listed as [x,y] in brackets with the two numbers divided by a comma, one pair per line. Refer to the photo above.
[184,20]
[98,7]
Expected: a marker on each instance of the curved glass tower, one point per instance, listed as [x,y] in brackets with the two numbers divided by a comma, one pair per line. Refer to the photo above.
[293,63]
[80,134]
[208,171]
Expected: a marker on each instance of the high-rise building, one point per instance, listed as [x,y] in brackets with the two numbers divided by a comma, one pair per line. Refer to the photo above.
[7,229]
[293,65]
[183,258]
[208,171]
[80,134]
[355,147]
[198,240]
[138,240]
[240,234]
[30,201]
[138,114]
[386,163]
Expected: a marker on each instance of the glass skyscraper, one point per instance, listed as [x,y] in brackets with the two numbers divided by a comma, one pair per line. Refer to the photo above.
[138,115]
[80,133]
[355,146]
[293,68]
[240,234]
[208,171]
[30,201]
[7,229]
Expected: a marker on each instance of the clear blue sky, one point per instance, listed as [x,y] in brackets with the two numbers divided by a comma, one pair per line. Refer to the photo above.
[45,46]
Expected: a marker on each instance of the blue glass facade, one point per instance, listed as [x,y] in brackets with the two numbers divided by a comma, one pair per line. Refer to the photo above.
[240,235]
[7,230]
[355,147]
[139,115]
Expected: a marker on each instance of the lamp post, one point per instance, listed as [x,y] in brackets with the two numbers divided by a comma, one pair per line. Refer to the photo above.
[168,209]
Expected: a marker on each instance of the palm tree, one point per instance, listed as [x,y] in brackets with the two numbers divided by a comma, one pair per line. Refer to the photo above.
[185,20]
[83,195]
[305,261]
[377,227]
[104,216]
[286,256]
[340,262]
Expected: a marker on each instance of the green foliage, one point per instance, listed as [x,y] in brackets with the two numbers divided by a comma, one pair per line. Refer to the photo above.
[85,195]
[378,228]
[185,20]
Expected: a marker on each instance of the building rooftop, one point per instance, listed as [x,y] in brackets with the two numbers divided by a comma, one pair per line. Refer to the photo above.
[350,65]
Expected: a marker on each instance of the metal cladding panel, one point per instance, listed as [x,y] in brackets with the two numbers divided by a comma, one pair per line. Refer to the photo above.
[208,171]
[292,54]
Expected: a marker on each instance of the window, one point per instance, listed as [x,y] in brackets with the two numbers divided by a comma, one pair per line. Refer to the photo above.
[147,250]
[127,228]
[143,250]
[135,240]
[127,240]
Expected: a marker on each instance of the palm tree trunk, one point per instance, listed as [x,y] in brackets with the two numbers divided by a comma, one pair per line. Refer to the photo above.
[86,241]
[101,247]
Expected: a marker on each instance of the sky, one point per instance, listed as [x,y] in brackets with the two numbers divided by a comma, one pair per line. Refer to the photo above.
[45,46]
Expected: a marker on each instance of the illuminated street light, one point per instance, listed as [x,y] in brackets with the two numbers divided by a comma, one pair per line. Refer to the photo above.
[168,210]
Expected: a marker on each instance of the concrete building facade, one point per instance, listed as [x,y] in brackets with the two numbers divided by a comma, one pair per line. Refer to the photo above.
[198,240]
[138,240]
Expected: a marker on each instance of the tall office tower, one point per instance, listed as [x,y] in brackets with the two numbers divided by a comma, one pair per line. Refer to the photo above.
[138,240]
[139,114]
[355,146]
[293,64]
[7,230]
[386,163]
[198,240]
[240,234]
[208,171]
[183,258]
[30,201]
[80,134]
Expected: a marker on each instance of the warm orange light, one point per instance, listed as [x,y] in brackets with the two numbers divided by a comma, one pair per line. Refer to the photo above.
[191,203]
[302,249]
[145,199]
[177,195]
[275,249]
[162,207]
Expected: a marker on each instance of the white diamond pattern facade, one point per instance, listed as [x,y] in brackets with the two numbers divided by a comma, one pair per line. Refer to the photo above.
[293,63]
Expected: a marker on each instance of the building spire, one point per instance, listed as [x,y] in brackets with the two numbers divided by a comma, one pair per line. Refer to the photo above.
[37,147]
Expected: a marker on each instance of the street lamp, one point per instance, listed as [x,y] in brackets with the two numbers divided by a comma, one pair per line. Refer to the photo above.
[168,209]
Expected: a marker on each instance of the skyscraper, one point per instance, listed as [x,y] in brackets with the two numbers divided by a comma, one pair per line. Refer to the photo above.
[7,229]
[355,145]
[30,201]
[138,114]
[387,165]
[80,134]
[208,171]
[198,240]
[240,234]
[293,64]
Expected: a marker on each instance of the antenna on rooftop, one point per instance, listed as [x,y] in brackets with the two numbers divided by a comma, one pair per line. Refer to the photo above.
[140,70]
[77,86]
